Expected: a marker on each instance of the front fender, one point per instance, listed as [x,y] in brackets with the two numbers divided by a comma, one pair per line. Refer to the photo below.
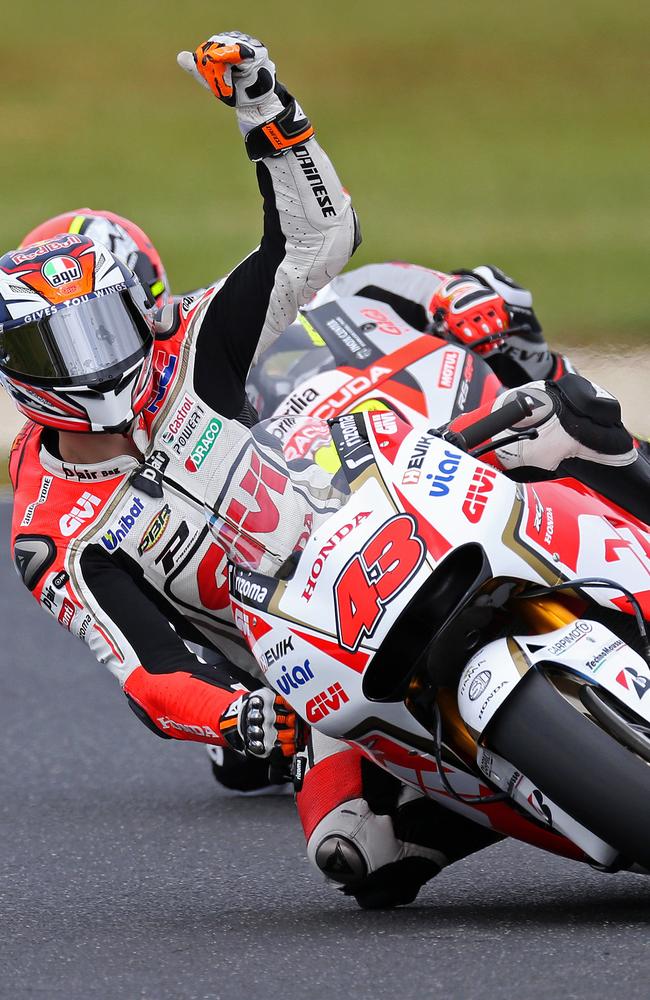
[582,648]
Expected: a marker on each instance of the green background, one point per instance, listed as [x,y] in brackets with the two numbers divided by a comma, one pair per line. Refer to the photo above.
[467,131]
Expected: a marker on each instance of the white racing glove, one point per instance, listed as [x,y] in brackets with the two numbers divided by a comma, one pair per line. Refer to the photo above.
[574,419]
[260,722]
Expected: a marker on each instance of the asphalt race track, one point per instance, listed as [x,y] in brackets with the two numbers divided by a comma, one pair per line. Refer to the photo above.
[125,873]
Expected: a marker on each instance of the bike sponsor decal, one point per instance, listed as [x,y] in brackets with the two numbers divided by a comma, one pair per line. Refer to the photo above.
[384,323]
[329,546]
[116,535]
[249,590]
[154,530]
[479,684]
[575,633]
[325,702]
[298,402]
[477,495]
[43,492]
[384,422]
[351,443]
[447,469]
[84,510]
[277,652]
[629,678]
[489,698]
[349,392]
[59,271]
[597,661]
[448,368]
[205,444]
[243,623]
[415,462]
[463,392]
[164,378]
[294,678]
[374,577]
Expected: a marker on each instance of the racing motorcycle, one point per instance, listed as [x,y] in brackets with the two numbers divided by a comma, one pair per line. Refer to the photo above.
[356,353]
[482,640]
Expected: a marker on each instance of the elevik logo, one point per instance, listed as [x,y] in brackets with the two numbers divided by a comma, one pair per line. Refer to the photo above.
[202,449]
[112,538]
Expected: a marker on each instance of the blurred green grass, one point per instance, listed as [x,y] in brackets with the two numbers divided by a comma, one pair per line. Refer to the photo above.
[514,133]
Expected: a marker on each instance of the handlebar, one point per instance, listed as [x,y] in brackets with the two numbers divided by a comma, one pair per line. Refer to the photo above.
[496,422]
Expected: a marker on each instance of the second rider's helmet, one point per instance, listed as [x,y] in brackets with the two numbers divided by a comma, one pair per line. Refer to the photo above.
[76,335]
[122,237]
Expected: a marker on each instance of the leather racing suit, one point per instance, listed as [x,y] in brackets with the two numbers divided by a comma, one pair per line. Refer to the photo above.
[119,552]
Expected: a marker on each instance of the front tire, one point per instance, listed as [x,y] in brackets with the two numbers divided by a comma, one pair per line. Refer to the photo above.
[576,764]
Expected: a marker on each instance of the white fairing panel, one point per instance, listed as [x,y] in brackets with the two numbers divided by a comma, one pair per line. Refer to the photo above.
[583,648]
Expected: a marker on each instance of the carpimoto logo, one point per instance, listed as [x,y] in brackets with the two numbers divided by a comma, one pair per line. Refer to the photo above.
[202,449]
[61,271]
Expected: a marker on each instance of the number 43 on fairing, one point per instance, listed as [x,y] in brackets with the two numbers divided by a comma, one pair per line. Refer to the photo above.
[374,577]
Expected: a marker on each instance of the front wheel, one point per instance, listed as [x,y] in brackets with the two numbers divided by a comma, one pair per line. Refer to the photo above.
[576,764]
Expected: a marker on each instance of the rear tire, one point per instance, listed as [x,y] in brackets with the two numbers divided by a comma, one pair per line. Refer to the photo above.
[576,764]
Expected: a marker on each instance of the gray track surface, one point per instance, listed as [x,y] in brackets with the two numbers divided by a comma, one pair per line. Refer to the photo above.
[125,873]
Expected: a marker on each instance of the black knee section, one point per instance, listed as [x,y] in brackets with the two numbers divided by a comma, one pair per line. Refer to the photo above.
[593,420]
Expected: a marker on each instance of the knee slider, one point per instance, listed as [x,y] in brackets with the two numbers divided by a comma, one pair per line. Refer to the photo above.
[351,841]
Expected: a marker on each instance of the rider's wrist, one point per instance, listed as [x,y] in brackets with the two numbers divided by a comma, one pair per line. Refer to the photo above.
[288,127]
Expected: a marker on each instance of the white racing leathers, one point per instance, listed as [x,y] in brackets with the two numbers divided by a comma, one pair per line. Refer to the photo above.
[120,552]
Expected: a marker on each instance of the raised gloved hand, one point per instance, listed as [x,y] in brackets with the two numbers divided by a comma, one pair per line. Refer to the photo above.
[234,66]
[260,722]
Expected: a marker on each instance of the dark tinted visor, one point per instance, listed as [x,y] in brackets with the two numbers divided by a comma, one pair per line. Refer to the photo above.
[85,343]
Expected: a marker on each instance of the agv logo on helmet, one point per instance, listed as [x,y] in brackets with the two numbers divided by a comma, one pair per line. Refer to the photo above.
[59,271]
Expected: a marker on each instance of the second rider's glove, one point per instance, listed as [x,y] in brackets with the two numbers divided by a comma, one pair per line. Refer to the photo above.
[260,722]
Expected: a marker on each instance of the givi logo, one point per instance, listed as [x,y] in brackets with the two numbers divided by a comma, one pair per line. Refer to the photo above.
[477,495]
[325,702]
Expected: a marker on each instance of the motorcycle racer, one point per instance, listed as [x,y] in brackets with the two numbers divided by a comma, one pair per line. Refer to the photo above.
[117,400]
[483,309]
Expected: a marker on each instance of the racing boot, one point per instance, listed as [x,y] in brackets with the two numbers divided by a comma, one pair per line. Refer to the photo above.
[371,836]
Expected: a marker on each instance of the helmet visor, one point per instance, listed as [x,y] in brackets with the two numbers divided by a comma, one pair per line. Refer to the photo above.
[86,343]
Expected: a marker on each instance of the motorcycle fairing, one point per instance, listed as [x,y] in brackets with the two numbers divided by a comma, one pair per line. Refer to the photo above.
[584,648]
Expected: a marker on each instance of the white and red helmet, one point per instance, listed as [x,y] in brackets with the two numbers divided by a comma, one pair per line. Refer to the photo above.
[122,237]
[76,335]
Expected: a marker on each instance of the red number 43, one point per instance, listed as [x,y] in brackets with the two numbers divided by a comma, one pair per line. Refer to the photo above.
[374,576]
